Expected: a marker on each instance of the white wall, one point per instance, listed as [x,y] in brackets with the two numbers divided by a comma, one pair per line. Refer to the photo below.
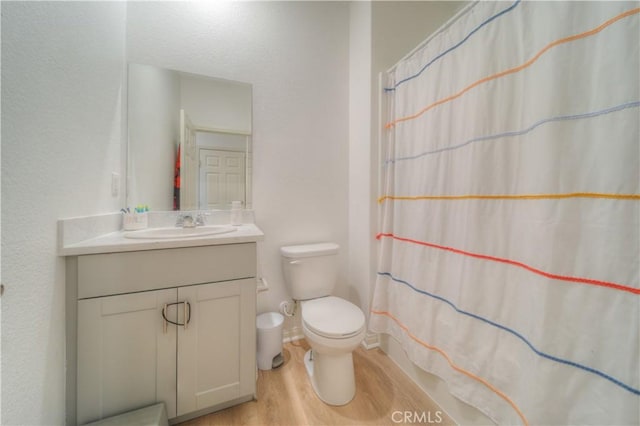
[62,70]
[295,54]
[361,186]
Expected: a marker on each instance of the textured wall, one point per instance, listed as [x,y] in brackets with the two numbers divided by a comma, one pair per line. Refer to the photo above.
[362,188]
[62,69]
[296,55]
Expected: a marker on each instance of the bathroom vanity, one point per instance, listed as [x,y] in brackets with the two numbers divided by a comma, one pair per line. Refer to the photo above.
[165,320]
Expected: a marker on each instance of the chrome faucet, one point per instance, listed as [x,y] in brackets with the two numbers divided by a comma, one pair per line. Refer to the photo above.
[189,220]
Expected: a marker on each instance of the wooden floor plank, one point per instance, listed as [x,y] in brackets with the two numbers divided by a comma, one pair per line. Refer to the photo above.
[285,397]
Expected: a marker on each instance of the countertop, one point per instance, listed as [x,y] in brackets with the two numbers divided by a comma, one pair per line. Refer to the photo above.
[116,242]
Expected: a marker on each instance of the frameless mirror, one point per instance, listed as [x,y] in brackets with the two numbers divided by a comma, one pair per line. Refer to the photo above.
[189,140]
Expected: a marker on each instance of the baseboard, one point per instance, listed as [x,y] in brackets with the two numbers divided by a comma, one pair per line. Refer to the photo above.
[371,341]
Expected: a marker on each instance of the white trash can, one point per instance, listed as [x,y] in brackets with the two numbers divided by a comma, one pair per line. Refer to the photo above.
[269,340]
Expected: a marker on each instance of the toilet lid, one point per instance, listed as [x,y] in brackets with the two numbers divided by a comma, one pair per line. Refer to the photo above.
[332,317]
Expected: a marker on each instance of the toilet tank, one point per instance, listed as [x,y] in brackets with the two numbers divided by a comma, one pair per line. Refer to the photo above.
[310,270]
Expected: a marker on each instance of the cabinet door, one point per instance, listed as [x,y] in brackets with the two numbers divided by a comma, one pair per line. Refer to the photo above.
[126,358]
[217,348]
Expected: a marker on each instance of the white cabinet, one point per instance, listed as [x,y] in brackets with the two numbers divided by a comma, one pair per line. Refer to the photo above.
[214,363]
[201,358]
[125,359]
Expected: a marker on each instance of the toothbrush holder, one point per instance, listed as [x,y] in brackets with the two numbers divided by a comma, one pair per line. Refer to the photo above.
[135,221]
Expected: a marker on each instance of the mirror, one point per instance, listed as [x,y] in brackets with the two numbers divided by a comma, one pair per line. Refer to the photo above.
[189,140]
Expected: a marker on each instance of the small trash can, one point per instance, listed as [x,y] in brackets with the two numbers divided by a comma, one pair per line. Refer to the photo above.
[269,327]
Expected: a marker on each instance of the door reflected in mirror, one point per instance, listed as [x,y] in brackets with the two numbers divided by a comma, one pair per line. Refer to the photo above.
[189,140]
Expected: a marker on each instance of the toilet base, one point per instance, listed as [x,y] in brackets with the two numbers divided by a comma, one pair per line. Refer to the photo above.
[331,376]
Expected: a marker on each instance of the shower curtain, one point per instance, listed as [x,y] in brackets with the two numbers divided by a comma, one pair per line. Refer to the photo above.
[509,238]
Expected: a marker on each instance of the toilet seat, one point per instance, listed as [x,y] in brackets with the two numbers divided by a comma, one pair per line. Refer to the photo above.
[333,317]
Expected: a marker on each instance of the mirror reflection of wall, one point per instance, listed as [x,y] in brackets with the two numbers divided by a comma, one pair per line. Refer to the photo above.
[203,122]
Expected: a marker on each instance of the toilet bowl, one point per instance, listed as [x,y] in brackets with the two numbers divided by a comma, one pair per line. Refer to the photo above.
[333,327]
[334,331]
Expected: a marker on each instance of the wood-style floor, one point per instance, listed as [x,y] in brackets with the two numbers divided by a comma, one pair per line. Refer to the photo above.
[285,397]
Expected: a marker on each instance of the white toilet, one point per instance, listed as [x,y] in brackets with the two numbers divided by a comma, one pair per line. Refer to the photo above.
[332,326]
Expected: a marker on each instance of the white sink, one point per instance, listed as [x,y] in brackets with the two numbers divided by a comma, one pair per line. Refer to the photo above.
[163,233]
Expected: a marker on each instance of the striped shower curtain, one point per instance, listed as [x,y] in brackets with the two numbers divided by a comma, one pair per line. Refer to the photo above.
[509,240]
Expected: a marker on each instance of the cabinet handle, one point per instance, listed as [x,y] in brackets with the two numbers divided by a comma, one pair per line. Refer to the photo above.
[187,317]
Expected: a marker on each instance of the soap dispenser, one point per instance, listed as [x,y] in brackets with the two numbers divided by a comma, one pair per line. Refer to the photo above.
[236,213]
